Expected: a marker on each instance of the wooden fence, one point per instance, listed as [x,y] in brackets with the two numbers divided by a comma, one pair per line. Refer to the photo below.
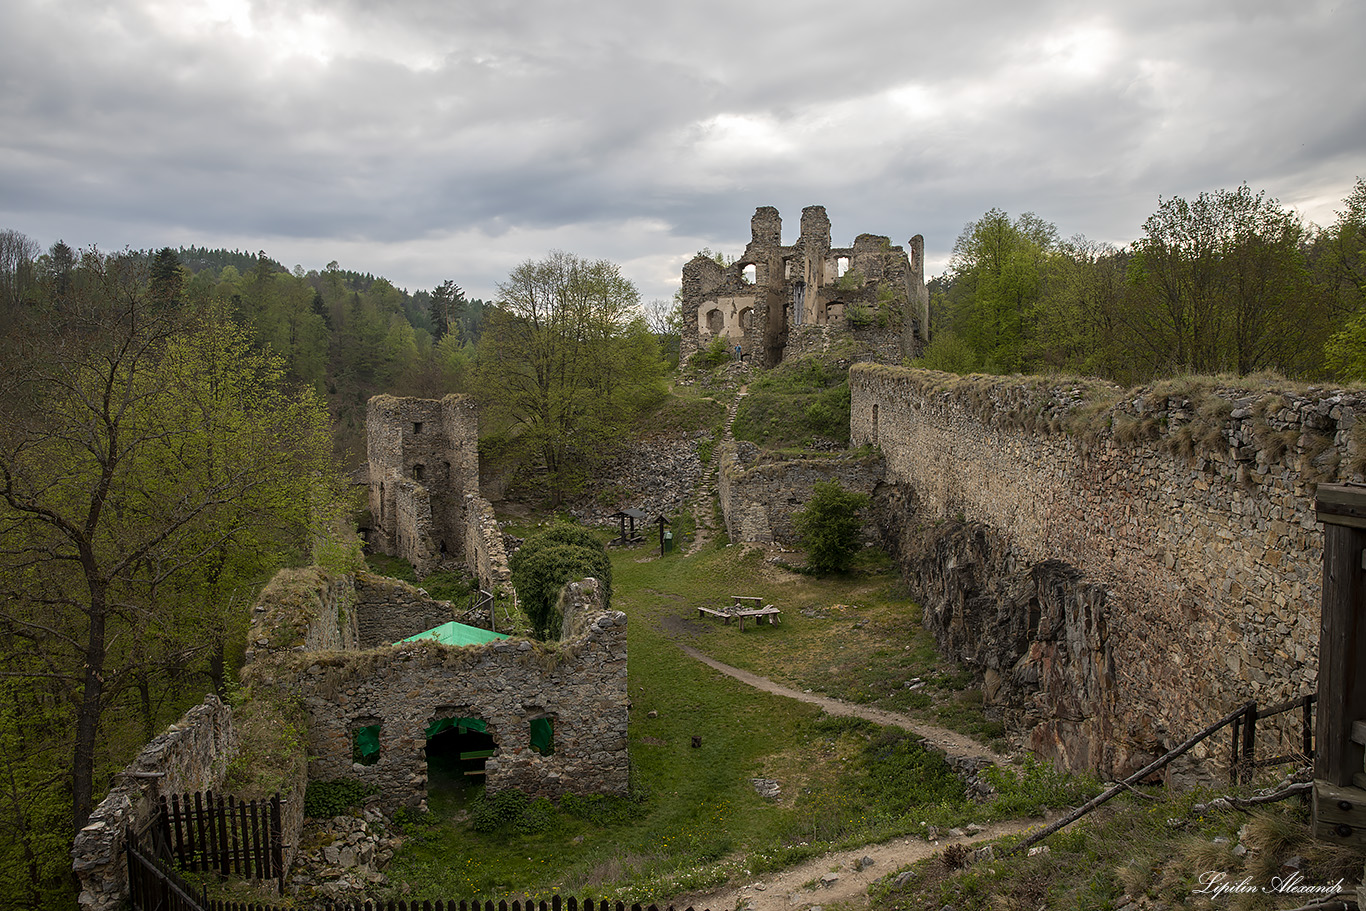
[207,832]
[153,885]
[1244,760]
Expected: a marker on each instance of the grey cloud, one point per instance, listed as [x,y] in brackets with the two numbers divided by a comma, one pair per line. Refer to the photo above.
[498,122]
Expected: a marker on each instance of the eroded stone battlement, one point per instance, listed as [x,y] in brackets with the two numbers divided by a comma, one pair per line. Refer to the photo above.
[775,291]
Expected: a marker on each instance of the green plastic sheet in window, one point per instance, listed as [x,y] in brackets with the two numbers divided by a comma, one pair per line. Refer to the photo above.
[543,736]
[459,725]
[365,745]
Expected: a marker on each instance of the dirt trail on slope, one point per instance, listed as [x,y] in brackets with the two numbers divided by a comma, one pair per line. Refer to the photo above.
[951,742]
[792,889]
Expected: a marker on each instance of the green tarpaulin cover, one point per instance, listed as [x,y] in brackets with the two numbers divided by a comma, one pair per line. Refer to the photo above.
[365,748]
[457,634]
[459,725]
[543,736]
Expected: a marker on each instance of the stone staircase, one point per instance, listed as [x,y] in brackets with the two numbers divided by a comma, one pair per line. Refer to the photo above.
[704,498]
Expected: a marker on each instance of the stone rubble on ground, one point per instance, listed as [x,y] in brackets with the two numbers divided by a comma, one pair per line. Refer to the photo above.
[766,788]
[347,857]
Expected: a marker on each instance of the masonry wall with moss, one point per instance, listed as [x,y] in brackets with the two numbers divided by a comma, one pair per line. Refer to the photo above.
[574,688]
[761,493]
[1158,544]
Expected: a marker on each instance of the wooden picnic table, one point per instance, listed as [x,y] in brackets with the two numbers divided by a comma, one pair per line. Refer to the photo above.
[744,606]
[766,614]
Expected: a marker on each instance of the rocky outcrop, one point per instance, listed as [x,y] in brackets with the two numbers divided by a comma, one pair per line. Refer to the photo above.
[1037,633]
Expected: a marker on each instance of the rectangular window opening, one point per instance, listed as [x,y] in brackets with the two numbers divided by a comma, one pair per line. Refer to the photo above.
[543,735]
[365,744]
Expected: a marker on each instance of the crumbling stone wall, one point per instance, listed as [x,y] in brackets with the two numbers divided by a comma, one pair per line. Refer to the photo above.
[579,683]
[424,460]
[304,609]
[1151,565]
[760,494]
[424,487]
[191,755]
[773,291]
[485,552]
[388,610]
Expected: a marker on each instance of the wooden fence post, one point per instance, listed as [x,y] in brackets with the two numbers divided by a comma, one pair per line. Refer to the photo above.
[1339,798]
[1249,743]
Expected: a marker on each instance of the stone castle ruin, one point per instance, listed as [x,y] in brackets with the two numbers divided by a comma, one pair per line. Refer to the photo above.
[425,504]
[547,718]
[778,300]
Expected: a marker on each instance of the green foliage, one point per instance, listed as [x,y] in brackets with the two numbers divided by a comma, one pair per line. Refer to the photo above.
[566,363]
[158,469]
[850,281]
[1036,786]
[890,780]
[716,354]
[797,402]
[949,352]
[325,799]
[829,527]
[499,810]
[680,414]
[548,560]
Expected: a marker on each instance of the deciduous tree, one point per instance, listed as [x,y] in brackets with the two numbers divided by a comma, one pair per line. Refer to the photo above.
[138,449]
[565,360]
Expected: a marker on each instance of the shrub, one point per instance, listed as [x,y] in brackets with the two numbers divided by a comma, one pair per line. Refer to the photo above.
[491,812]
[325,799]
[829,527]
[712,356]
[548,560]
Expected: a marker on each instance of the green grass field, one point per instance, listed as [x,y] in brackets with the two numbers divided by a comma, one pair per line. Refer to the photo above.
[694,819]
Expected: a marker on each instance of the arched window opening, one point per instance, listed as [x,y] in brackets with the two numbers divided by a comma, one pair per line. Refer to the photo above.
[841,266]
[715,321]
[417,426]
[751,274]
[747,318]
[418,469]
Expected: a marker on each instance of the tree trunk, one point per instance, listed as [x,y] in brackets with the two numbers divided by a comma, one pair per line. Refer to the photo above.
[88,721]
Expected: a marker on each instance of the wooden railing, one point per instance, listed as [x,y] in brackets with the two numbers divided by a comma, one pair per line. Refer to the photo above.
[1244,761]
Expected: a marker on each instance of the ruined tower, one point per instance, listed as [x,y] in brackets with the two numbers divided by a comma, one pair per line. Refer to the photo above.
[775,300]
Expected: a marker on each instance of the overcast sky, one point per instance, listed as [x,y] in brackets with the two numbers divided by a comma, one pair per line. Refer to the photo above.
[456,138]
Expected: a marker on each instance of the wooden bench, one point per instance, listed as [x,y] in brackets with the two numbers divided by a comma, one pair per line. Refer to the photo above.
[704,611]
[766,614]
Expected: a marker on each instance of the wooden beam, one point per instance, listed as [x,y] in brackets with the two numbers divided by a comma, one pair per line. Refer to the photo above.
[1342,634]
[1339,813]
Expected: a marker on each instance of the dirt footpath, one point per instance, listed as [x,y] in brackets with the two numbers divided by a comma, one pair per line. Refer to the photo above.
[951,742]
[809,884]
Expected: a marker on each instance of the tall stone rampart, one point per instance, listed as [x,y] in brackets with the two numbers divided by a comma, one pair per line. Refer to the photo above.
[1136,567]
